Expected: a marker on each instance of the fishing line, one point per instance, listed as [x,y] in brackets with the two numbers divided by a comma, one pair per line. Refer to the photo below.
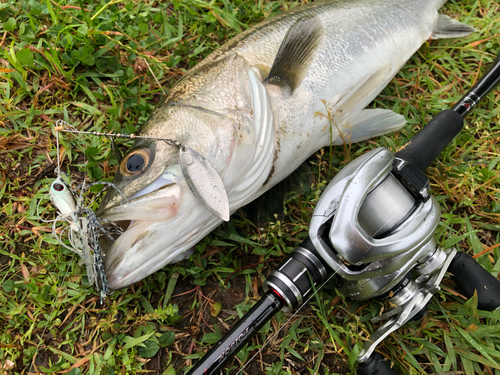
[285,324]
[57,156]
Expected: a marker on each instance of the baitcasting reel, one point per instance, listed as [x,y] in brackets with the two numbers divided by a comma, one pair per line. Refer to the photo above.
[373,228]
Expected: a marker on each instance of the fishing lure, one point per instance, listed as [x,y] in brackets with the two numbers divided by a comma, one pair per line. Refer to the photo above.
[84,228]
[83,232]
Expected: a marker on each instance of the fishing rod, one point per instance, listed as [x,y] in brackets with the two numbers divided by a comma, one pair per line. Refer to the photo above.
[373,228]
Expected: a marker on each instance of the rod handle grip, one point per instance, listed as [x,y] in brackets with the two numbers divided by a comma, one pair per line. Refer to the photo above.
[470,276]
[376,365]
[429,142]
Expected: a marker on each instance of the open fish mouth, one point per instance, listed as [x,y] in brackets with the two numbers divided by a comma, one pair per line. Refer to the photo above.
[134,217]
[114,250]
[154,233]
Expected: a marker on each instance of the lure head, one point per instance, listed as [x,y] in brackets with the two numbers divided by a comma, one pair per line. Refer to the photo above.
[62,197]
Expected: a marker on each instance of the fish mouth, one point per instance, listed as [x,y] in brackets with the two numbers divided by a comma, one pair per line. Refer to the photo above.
[159,228]
[134,218]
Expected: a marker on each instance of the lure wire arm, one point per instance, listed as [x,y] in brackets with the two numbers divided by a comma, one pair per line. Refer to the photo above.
[196,168]
[62,126]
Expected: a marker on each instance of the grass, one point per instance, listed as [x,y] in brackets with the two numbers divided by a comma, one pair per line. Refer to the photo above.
[87,63]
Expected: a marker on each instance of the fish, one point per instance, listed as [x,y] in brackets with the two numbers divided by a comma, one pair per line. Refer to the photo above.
[252,112]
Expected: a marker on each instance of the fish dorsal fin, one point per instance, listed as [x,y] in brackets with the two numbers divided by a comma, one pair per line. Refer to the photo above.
[447,27]
[295,53]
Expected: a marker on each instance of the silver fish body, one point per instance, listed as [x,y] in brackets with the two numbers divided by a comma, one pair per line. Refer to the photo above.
[255,110]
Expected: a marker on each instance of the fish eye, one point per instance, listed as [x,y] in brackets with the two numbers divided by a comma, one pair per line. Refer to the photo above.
[135,162]
[58,187]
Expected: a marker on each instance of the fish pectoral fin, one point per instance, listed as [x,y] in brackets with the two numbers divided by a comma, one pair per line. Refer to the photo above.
[370,123]
[447,27]
[295,53]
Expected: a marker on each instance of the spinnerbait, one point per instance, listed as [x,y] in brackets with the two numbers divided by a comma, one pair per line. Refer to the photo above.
[84,227]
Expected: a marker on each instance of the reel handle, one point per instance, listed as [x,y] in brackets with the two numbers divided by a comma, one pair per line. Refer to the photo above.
[429,142]
[376,365]
[470,276]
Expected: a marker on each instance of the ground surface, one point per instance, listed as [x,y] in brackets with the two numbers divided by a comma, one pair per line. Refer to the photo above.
[87,62]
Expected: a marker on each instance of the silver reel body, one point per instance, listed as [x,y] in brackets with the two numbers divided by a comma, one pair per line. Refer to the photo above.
[373,225]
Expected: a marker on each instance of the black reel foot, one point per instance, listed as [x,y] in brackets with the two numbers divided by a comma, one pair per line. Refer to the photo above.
[376,365]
